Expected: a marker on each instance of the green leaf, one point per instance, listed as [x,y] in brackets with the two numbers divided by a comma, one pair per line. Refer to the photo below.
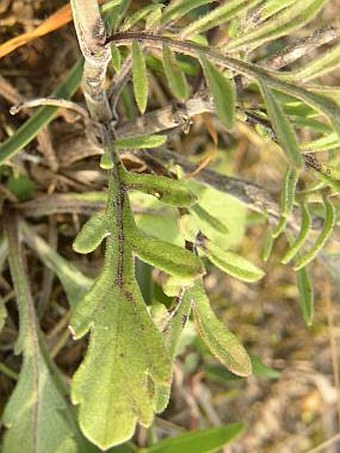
[306,295]
[225,209]
[43,116]
[271,7]
[43,423]
[3,313]
[287,199]
[22,186]
[323,236]
[222,343]
[222,90]
[267,246]
[201,441]
[209,220]
[174,75]
[169,191]
[306,222]
[139,15]
[3,251]
[139,77]
[262,370]
[92,234]
[125,344]
[116,58]
[292,18]
[172,332]
[218,16]
[128,350]
[154,18]
[282,127]
[177,10]
[319,66]
[232,264]
[37,415]
[168,257]
[145,141]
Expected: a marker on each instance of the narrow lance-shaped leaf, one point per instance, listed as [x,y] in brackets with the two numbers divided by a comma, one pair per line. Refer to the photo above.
[139,77]
[44,422]
[282,127]
[271,7]
[287,199]
[154,19]
[168,257]
[218,16]
[179,9]
[125,345]
[199,441]
[299,241]
[323,236]
[174,75]
[306,295]
[208,219]
[92,234]
[116,58]
[169,191]
[232,264]
[321,65]
[293,17]
[221,342]
[172,334]
[139,15]
[222,90]
[145,141]
[267,246]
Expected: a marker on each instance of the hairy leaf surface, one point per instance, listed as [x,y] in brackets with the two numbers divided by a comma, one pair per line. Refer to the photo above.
[222,343]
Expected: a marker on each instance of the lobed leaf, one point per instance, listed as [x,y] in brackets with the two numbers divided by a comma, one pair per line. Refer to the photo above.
[306,295]
[323,236]
[299,241]
[128,349]
[139,77]
[233,264]
[176,78]
[93,232]
[222,90]
[199,441]
[221,342]
[282,127]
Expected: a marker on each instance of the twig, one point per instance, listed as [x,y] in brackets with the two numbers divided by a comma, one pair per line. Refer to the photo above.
[55,102]
[301,47]
[91,36]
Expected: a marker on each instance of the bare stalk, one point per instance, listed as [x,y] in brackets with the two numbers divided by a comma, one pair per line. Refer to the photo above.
[91,36]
